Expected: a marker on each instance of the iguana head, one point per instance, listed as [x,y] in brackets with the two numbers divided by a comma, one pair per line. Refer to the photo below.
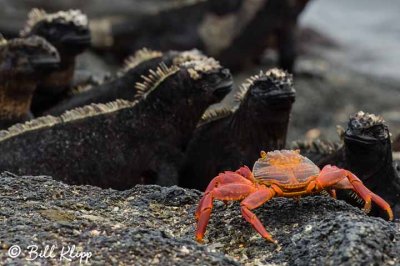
[209,78]
[23,62]
[27,56]
[265,103]
[368,128]
[184,91]
[68,30]
[367,144]
[206,80]
[269,91]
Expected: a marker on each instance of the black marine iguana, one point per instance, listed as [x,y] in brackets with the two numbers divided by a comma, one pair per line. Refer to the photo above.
[69,32]
[366,151]
[233,31]
[23,62]
[168,24]
[274,24]
[121,143]
[121,87]
[320,151]
[227,139]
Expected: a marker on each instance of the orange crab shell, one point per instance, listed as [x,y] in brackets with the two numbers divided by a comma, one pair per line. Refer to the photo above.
[284,168]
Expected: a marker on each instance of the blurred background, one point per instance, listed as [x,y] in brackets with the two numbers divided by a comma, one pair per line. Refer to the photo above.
[361,36]
[368,31]
[345,54]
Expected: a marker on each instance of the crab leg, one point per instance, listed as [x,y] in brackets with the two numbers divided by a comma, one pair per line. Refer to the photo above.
[368,195]
[224,178]
[235,191]
[337,178]
[329,176]
[246,172]
[253,201]
[332,193]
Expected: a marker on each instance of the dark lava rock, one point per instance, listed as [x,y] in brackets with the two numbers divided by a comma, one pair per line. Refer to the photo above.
[155,225]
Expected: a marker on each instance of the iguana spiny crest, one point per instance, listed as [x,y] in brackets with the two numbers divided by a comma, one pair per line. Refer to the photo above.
[24,54]
[149,83]
[68,30]
[273,80]
[70,17]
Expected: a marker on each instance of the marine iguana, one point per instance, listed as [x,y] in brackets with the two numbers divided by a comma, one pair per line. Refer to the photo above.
[366,151]
[273,25]
[168,24]
[69,32]
[23,62]
[320,151]
[233,31]
[229,138]
[121,143]
[121,87]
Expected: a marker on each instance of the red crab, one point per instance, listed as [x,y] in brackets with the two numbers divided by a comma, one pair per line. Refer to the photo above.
[282,173]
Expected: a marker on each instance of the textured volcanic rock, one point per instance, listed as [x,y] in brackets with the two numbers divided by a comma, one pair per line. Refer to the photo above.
[155,225]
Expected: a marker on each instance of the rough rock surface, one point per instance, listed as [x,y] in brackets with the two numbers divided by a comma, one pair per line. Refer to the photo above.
[155,225]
